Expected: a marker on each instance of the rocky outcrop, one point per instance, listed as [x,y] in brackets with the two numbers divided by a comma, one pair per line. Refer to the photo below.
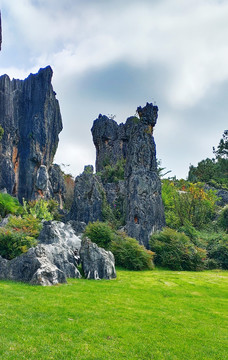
[135,198]
[223,197]
[31,120]
[144,208]
[50,262]
[88,197]
[56,258]
[97,263]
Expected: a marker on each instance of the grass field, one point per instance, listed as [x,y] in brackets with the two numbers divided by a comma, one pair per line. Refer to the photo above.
[141,315]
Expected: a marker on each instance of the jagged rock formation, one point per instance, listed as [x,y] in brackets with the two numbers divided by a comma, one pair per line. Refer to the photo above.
[31,120]
[138,194]
[50,262]
[56,258]
[87,203]
[97,263]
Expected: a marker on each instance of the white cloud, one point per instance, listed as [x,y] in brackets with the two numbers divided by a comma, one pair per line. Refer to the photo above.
[186,38]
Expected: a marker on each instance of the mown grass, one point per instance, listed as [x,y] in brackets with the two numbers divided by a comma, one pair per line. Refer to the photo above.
[141,315]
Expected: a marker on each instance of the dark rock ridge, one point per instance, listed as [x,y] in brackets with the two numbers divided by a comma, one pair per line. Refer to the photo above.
[87,203]
[56,258]
[138,194]
[31,120]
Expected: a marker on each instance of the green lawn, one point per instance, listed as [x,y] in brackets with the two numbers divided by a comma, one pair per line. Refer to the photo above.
[141,315]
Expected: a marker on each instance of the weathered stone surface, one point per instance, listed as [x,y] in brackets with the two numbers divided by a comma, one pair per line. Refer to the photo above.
[141,193]
[57,184]
[56,258]
[50,262]
[223,195]
[97,263]
[31,119]
[42,179]
[78,226]
[144,208]
[108,140]
[88,200]
[33,267]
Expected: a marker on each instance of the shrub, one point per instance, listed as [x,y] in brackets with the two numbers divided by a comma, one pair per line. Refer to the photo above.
[99,233]
[184,201]
[14,242]
[28,224]
[130,255]
[218,250]
[127,251]
[40,209]
[9,205]
[113,173]
[1,132]
[223,219]
[175,251]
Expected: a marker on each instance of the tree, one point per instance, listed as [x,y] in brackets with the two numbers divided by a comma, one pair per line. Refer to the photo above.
[213,171]
[222,148]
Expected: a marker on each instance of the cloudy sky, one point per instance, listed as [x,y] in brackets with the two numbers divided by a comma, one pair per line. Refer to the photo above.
[110,56]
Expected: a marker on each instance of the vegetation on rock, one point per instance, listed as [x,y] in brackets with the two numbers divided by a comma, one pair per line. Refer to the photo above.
[1,132]
[24,224]
[113,173]
[9,205]
[127,251]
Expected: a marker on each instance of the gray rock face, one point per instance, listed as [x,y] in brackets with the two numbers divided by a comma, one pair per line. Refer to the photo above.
[97,263]
[109,141]
[31,119]
[144,208]
[223,195]
[50,262]
[138,196]
[56,258]
[57,185]
[88,201]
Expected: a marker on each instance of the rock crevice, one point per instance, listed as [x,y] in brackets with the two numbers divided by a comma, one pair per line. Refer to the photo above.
[31,120]
[138,193]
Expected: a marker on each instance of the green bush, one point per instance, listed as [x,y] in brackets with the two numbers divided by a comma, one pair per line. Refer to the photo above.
[187,202]
[19,235]
[217,249]
[130,255]
[28,224]
[175,251]
[99,233]
[127,251]
[223,219]
[40,209]
[113,173]
[14,242]
[1,132]
[9,205]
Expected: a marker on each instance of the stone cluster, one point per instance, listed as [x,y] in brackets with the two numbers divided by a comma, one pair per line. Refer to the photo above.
[31,122]
[56,258]
[139,193]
